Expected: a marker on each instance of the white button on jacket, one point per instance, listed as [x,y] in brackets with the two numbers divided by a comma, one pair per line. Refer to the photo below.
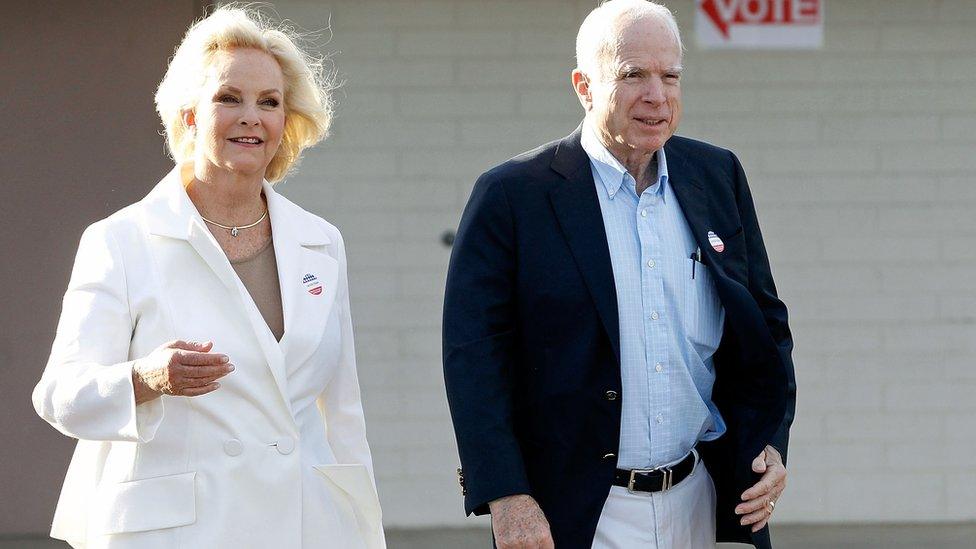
[233,447]
[285,446]
[251,464]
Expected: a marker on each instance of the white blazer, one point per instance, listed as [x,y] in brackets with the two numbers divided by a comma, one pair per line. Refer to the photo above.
[276,457]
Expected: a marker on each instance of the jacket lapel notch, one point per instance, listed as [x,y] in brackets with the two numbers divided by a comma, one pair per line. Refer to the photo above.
[166,209]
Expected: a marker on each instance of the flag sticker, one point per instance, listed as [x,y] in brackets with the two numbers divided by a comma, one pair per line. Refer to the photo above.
[716,242]
[312,284]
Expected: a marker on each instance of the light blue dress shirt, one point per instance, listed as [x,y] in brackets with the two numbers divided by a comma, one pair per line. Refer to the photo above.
[670,323]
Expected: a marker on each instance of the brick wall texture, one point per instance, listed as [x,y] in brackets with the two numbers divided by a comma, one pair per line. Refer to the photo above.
[862,160]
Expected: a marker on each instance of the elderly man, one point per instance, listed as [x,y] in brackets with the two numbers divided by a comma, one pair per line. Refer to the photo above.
[616,359]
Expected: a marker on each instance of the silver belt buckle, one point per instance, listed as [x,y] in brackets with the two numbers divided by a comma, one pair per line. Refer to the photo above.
[635,472]
[667,482]
[668,479]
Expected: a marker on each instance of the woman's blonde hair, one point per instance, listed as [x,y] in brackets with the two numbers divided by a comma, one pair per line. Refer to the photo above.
[307,93]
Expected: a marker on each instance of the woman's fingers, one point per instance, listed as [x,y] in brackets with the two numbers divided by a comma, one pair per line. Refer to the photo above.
[195,358]
[202,390]
[200,381]
[214,371]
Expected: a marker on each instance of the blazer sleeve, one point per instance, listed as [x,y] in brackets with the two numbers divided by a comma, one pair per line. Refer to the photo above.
[86,389]
[340,402]
[763,290]
[479,348]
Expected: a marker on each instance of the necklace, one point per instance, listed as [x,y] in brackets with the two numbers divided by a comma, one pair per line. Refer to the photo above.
[234,230]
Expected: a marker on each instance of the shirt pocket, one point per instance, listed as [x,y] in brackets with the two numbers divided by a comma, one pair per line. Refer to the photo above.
[703,316]
[146,504]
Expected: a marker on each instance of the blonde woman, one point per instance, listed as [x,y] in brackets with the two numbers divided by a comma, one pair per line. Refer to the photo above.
[204,356]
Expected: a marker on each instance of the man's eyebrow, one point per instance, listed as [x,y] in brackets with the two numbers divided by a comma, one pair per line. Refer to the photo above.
[635,69]
[630,69]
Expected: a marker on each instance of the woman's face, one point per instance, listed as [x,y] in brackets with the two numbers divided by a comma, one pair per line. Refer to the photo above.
[240,113]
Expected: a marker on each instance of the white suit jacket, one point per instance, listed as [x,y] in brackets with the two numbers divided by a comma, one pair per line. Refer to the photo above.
[276,457]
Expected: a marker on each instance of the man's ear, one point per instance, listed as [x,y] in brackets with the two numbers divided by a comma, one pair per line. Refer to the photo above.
[189,119]
[581,84]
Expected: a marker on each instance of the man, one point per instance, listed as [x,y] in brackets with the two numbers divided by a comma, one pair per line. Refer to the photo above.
[617,361]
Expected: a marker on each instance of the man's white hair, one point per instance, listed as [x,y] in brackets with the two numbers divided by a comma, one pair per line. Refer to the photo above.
[599,35]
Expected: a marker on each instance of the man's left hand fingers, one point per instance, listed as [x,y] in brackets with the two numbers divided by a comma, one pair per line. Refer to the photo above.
[759,525]
[775,474]
[759,464]
[757,504]
[754,517]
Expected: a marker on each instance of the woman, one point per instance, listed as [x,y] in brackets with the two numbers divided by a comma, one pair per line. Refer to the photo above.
[204,356]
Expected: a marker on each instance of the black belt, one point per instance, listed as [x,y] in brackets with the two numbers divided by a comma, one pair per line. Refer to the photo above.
[655,480]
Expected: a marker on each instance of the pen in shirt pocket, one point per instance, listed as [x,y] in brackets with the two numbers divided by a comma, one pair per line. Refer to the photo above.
[695,260]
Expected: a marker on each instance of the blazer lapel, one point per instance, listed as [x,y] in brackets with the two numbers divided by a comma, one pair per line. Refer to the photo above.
[577,208]
[170,213]
[308,276]
[695,204]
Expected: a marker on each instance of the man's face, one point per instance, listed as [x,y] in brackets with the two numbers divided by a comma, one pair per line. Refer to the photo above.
[634,101]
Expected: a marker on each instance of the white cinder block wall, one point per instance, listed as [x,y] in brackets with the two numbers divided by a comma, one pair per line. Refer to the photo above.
[862,159]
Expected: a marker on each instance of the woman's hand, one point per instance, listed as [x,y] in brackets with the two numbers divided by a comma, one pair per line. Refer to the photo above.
[179,368]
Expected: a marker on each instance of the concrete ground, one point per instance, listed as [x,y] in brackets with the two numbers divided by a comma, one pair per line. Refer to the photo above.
[901,536]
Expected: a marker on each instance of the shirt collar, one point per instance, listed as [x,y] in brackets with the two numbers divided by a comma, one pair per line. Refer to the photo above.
[611,172]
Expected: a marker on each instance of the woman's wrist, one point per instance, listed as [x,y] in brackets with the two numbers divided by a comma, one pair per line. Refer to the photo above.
[143,393]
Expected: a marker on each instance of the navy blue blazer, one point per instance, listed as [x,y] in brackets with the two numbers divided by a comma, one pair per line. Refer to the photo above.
[531,341]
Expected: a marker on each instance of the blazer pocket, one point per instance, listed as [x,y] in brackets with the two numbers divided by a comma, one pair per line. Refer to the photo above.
[146,504]
[351,483]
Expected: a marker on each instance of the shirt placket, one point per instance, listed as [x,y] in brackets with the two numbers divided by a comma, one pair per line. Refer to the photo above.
[655,320]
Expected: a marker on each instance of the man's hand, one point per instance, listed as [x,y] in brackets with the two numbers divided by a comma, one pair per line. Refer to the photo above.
[758,502]
[519,523]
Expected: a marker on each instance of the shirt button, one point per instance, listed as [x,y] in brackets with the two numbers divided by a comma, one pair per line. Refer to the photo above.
[610,395]
[654,315]
[650,263]
[659,419]
[658,367]
[644,212]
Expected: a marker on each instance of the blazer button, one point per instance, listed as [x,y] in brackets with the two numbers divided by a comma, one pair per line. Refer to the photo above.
[285,445]
[233,447]
[610,395]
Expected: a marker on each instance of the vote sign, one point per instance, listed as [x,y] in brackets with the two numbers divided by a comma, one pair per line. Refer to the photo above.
[759,24]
